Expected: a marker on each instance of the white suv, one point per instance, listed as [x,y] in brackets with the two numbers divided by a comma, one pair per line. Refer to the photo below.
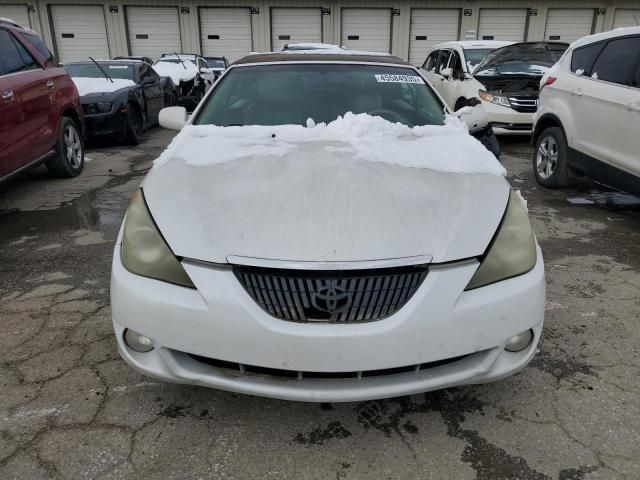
[588,120]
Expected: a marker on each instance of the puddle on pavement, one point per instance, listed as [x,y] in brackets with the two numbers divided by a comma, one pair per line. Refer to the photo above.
[612,199]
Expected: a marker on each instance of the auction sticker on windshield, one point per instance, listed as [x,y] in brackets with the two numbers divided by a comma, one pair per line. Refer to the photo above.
[389,78]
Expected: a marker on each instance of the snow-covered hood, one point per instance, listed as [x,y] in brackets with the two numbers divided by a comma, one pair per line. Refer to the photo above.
[177,71]
[87,86]
[359,188]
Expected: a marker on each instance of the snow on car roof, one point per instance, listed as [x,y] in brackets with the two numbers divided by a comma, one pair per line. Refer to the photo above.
[16,24]
[617,32]
[182,56]
[322,56]
[179,72]
[445,148]
[473,44]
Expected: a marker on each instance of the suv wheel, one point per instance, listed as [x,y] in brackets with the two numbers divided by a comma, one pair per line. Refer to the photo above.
[68,160]
[550,159]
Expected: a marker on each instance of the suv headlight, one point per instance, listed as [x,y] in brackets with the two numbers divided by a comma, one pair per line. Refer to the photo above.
[144,251]
[497,99]
[513,251]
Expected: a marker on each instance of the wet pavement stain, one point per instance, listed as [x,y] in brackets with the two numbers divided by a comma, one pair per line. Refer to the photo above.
[321,435]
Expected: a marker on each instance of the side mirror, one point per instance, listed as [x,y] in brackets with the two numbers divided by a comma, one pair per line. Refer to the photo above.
[173,118]
[446,72]
[468,76]
[205,70]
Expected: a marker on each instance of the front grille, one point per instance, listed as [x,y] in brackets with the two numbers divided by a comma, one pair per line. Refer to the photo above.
[251,370]
[331,296]
[524,104]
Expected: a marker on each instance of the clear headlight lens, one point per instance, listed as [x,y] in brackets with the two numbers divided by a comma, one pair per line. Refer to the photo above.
[144,251]
[513,251]
[496,99]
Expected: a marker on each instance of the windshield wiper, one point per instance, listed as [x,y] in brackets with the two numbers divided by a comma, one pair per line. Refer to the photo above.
[102,70]
[183,65]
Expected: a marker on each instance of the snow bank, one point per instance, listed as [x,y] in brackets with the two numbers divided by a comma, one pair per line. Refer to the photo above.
[176,71]
[447,148]
[86,85]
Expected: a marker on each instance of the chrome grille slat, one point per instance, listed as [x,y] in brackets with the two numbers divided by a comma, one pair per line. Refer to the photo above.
[524,104]
[331,296]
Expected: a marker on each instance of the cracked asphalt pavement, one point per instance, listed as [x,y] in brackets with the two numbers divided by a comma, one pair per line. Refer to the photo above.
[71,408]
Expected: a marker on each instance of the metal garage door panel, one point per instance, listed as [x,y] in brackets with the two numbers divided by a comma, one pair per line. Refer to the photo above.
[430,27]
[17,13]
[295,25]
[79,32]
[509,24]
[624,17]
[568,24]
[366,29]
[153,31]
[225,32]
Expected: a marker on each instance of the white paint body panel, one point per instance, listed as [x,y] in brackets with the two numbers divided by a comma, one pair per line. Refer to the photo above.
[153,31]
[502,24]
[324,208]
[438,25]
[232,26]
[372,26]
[17,13]
[568,24]
[87,25]
[295,25]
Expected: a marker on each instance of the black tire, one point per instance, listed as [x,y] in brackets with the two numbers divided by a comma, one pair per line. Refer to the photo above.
[552,170]
[68,160]
[133,128]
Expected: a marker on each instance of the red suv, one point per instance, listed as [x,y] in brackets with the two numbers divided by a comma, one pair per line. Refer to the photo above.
[41,119]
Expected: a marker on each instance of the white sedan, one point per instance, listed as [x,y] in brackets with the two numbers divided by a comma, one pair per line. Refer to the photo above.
[322,229]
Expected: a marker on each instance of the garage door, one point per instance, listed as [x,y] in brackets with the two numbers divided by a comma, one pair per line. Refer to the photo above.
[153,31]
[568,24]
[225,32]
[17,13]
[509,24]
[295,25]
[625,18]
[79,32]
[430,27]
[366,29]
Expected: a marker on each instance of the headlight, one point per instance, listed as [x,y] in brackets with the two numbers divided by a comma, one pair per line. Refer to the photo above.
[497,99]
[144,251]
[513,251]
[93,108]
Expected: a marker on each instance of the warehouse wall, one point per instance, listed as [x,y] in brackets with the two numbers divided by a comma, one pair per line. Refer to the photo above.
[114,13]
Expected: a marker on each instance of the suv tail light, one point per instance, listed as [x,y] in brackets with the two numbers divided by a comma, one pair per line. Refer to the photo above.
[547,82]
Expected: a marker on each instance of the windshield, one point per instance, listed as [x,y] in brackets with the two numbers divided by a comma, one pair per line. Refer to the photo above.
[215,63]
[90,70]
[521,59]
[177,60]
[474,56]
[291,94]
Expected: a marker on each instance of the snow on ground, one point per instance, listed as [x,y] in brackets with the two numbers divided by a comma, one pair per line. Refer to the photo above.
[447,148]
[176,71]
[86,85]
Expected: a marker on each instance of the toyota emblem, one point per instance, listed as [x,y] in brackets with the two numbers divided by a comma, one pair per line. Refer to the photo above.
[331,298]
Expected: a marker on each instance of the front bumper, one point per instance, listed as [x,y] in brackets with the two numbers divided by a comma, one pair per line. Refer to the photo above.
[506,120]
[111,123]
[220,321]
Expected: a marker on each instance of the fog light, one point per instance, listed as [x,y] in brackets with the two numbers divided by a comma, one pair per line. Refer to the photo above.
[519,342]
[137,342]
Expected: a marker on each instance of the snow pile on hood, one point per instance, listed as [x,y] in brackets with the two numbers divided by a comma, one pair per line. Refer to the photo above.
[447,148]
[177,71]
[86,85]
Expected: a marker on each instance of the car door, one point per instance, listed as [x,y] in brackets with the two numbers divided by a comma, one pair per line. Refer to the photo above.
[439,81]
[429,66]
[589,100]
[625,151]
[26,99]
[206,72]
[153,92]
[451,86]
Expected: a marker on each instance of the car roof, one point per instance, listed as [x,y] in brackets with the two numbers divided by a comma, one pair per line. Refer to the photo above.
[316,56]
[9,23]
[597,37]
[472,44]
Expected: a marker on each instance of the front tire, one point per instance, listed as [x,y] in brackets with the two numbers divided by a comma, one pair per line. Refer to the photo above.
[550,159]
[68,160]
[134,126]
